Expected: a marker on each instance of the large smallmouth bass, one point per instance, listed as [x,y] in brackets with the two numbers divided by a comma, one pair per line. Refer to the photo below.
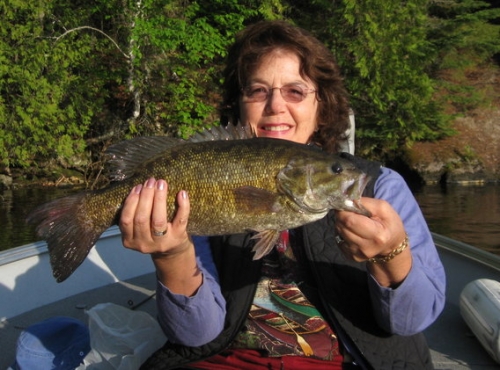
[235,184]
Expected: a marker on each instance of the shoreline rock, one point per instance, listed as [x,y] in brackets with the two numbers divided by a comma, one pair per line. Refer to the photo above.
[5,182]
[470,156]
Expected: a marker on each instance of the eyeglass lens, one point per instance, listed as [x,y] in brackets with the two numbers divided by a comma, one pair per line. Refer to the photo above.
[290,93]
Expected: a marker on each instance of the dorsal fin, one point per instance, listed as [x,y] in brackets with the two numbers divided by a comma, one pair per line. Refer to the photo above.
[125,157]
[229,132]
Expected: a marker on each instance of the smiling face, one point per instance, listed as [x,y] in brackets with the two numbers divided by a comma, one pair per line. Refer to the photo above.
[275,117]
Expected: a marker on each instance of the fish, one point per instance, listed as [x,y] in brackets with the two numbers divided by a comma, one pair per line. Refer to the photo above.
[237,183]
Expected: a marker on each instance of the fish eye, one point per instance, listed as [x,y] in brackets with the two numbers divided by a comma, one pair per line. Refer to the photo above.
[337,168]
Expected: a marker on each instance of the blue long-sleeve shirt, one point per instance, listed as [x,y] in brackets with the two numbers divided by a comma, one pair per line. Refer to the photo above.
[406,310]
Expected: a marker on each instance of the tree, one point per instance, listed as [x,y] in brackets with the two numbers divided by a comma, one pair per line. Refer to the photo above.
[46,99]
[186,43]
[384,53]
[466,38]
[78,76]
[90,73]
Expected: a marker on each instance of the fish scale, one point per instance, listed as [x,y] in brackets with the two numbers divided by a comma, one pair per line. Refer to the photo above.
[215,182]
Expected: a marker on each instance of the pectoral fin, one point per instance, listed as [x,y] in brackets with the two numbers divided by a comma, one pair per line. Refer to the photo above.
[256,200]
[267,241]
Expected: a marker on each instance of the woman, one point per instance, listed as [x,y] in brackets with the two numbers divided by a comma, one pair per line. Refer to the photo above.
[343,292]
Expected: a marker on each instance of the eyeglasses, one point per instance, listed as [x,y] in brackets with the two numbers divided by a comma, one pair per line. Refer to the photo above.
[290,93]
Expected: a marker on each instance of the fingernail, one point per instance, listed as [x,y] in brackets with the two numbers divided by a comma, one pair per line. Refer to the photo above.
[160,185]
[137,189]
[150,183]
[184,194]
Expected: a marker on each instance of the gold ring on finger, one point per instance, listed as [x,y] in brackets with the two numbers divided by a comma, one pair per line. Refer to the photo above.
[159,233]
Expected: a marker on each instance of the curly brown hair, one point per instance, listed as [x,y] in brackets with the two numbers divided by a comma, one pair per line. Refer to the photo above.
[316,63]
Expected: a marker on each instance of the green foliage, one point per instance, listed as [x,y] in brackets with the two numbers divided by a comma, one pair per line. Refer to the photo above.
[190,41]
[465,35]
[81,73]
[78,76]
[186,43]
[44,112]
[382,49]
[469,25]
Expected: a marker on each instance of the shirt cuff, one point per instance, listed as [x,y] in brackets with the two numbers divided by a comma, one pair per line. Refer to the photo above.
[191,321]
[401,310]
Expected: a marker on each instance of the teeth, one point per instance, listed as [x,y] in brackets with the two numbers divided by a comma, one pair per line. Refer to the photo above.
[276,128]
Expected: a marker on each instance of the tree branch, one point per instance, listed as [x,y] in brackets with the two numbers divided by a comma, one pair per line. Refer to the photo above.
[97,30]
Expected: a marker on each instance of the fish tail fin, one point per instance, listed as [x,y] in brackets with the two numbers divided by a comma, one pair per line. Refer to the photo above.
[70,234]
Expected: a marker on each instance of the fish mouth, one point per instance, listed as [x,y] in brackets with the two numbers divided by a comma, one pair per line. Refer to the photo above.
[352,191]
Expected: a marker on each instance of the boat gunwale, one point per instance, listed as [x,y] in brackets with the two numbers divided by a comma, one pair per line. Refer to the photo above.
[39,248]
[466,250]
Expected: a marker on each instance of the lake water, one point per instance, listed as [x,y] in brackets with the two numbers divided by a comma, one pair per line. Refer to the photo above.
[15,205]
[470,214]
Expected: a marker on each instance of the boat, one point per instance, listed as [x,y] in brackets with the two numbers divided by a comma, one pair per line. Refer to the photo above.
[111,273]
[292,298]
[285,324]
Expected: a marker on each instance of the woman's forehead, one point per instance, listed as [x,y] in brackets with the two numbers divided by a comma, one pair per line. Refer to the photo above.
[281,63]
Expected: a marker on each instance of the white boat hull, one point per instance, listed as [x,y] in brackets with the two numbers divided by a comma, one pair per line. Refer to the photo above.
[26,280]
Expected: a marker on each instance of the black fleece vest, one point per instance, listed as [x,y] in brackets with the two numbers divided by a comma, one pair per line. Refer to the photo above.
[337,286]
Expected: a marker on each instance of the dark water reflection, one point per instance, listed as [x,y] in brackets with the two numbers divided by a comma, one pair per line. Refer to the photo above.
[15,205]
[470,214]
[467,213]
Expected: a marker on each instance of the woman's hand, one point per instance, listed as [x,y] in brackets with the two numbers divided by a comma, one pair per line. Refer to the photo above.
[144,224]
[145,228]
[379,235]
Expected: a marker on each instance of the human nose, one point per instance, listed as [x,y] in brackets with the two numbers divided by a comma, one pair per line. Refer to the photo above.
[275,101]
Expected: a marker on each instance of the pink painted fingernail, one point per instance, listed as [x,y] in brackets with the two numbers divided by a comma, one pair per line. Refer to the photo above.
[150,183]
[184,194]
[160,185]
[137,189]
